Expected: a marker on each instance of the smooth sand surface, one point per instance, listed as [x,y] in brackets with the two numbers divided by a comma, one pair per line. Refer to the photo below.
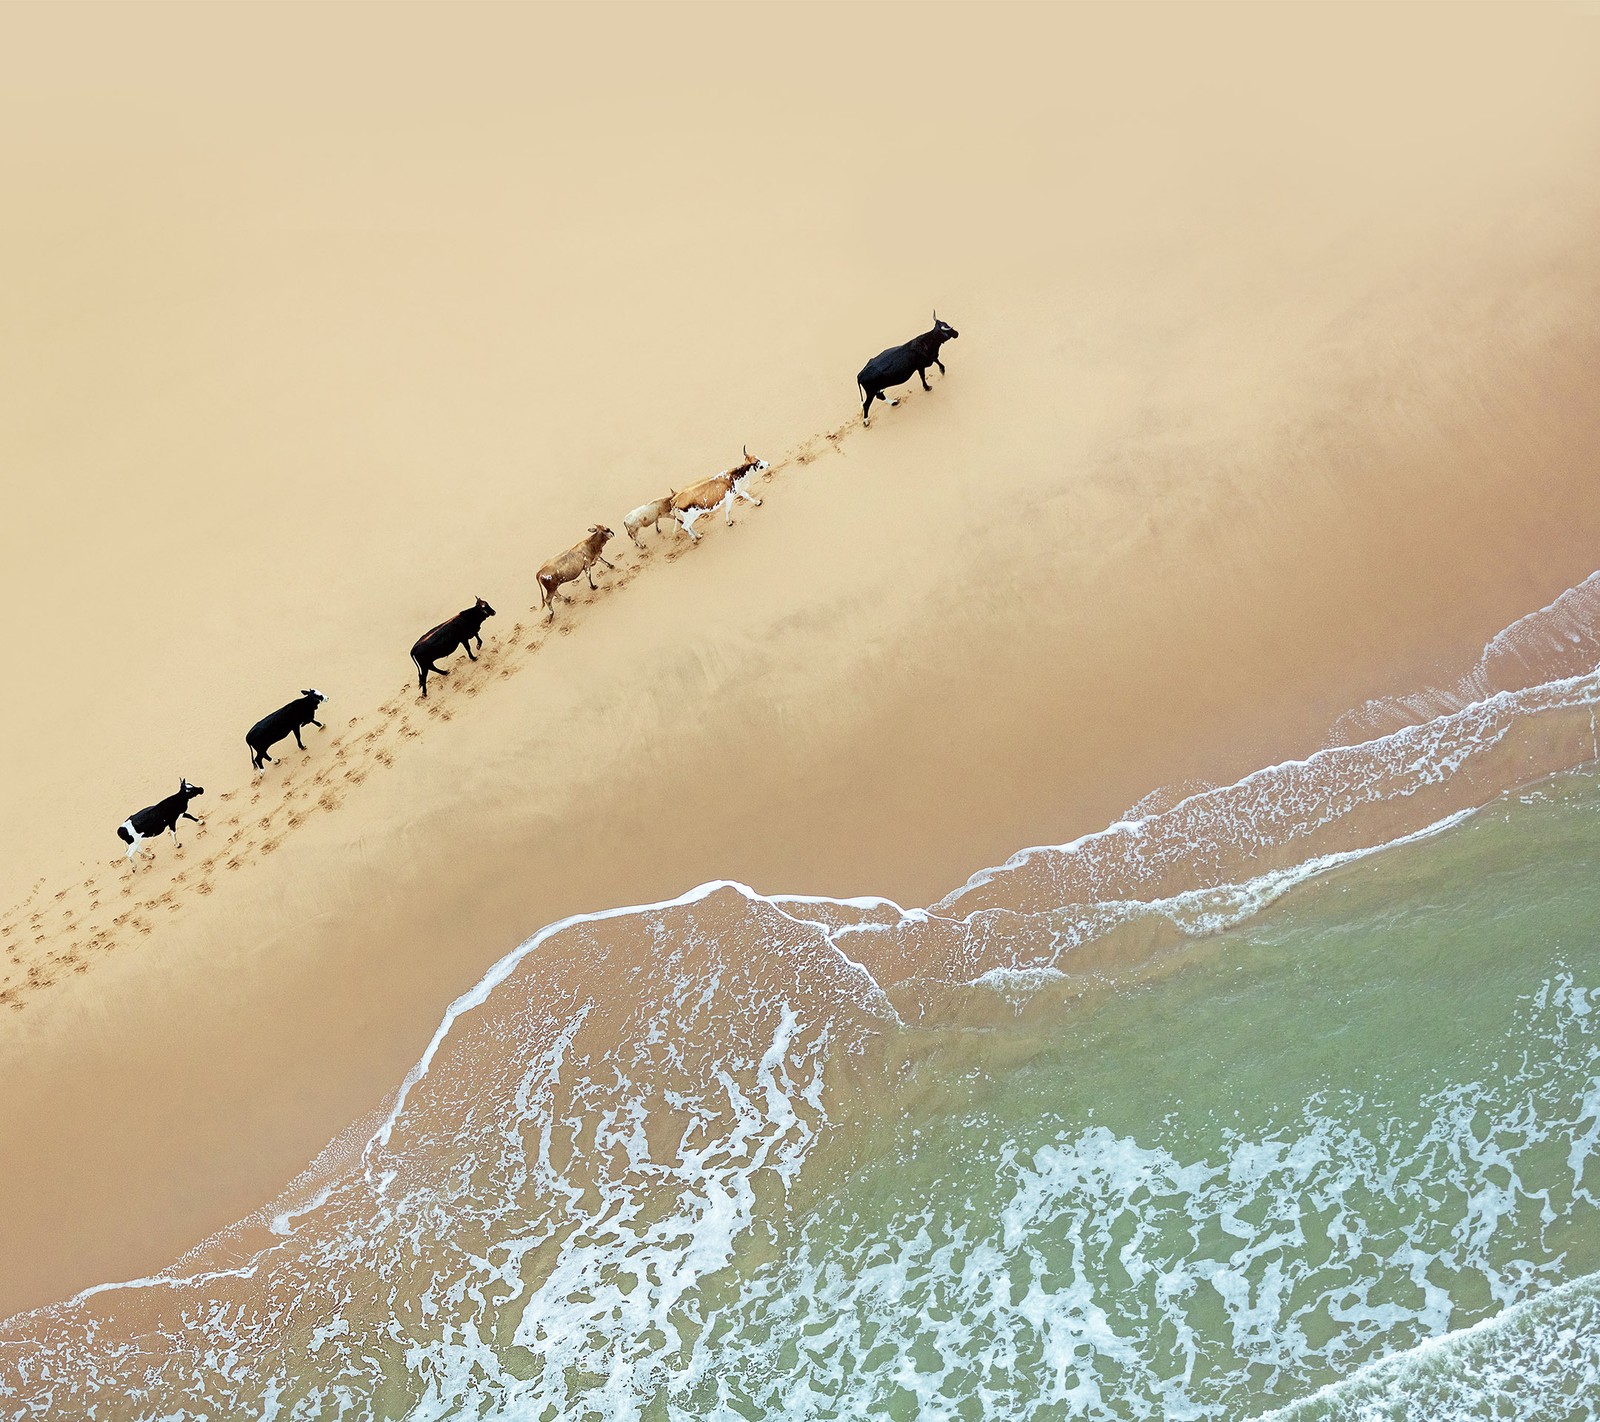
[1274,392]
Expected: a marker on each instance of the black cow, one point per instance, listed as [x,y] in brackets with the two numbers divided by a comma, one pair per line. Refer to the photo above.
[159,818]
[440,641]
[286,720]
[898,364]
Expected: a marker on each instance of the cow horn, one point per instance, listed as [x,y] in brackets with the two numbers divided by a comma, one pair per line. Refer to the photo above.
[746,451]
[936,313]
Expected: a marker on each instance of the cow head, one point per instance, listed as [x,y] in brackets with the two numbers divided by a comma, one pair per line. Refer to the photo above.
[185,788]
[751,465]
[601,532]
[483,608]
[943,329]
[317,698]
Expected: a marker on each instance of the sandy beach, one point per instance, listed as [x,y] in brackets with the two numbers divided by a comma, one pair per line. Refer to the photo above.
[1273,394]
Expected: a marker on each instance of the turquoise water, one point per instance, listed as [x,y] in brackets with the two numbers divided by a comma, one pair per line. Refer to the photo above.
[686,1161]
[1368,1119]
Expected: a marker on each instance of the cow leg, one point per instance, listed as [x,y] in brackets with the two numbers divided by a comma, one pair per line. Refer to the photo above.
[318,724]
[588,572]
[922,372]
[686,522]
[748,498]
[480,641]
[195,818]
[297,739]
[866,408]
[467,648]
[133,846]
[172,829]
[940,364]
[602,557]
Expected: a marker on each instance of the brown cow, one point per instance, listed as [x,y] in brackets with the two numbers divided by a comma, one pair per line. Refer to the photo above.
[577,560]
[721,489]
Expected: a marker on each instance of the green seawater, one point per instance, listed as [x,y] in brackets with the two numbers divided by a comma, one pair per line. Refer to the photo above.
[1340,1163]
[1367,1119]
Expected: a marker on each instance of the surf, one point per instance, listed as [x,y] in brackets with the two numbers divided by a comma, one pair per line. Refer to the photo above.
[708,1154]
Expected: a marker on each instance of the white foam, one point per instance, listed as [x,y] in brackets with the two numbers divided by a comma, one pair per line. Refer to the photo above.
[1534,1362]
[622,1292]
[1560,638]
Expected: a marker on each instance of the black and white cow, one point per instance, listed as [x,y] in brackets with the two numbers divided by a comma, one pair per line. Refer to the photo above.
[159,818]
[440,641]
[286,720]
[898,364]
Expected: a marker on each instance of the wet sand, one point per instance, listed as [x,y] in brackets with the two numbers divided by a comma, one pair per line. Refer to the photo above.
[1261,407]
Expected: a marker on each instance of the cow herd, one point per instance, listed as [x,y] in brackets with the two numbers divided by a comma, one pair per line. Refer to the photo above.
[889,368]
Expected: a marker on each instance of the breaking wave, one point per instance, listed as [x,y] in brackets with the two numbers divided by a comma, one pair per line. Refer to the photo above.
[582,1200]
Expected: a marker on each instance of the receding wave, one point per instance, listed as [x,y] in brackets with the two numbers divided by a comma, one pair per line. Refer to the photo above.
[596,1194]
[1561,639]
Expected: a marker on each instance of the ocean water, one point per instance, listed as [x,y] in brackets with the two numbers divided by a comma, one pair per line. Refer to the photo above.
[1281,1100]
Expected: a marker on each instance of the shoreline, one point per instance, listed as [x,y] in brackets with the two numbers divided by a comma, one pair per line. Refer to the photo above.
[229,1232]
[1248,425]
[275,1221]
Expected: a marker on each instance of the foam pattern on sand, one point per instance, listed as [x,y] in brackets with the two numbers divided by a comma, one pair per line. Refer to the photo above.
[547,1250]
[1560,639]
[578,1201]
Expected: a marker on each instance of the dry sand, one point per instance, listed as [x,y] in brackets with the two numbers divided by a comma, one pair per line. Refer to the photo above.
[1275,391]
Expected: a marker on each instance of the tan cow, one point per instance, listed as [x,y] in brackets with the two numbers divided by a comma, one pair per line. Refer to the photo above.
[721,489]
[577,561]
[651,513]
